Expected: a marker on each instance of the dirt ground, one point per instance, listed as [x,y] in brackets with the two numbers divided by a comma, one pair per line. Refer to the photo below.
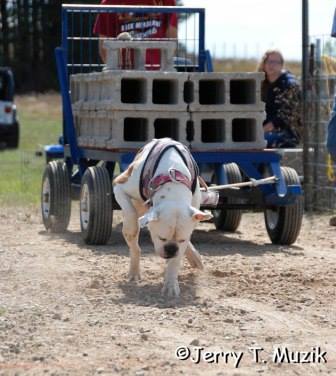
[68,309]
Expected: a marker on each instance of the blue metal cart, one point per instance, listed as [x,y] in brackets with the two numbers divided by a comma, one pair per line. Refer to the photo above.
[74,171]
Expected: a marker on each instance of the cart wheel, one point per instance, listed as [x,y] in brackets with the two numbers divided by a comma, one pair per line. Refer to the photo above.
[96,206]
[229,219]
[56,197]
[13,137]
[283,223]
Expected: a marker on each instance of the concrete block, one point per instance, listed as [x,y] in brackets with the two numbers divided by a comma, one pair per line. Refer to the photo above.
[130,129]
[83,125]
[170,124]
[228,130]
[92,128]
[135,128]
[225,92]
[78,87]
[127,129]
[137,49]
[130,90]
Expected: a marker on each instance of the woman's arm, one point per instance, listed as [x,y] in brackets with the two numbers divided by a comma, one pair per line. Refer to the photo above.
[288,103]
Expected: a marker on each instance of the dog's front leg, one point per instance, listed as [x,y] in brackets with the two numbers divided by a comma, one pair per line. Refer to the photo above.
[193,257]
[130,231]
[171,286]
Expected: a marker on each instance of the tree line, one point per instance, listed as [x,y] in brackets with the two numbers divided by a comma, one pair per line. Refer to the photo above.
[29,32]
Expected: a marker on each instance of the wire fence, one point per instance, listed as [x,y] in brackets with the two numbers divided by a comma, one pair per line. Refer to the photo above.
[321,192]
[81,41]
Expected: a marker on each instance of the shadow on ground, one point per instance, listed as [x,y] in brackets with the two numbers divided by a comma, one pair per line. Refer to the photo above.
[208,242]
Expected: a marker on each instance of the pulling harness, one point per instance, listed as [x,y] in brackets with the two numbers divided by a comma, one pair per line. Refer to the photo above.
[149,184]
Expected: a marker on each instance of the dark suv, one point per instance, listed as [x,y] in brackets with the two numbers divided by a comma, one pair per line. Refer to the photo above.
[9,126]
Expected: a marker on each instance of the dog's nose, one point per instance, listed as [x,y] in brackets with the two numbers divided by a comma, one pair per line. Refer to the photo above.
[170,250]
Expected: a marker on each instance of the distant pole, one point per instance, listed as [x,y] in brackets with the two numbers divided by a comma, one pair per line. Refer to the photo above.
[305,109]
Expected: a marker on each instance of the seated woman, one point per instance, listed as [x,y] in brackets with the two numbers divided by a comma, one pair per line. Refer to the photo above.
[281,93]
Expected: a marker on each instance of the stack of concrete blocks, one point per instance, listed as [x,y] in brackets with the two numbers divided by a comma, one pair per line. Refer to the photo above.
[226,110]
[118,109]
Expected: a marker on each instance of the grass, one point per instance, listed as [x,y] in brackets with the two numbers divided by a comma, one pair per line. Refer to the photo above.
[21,169]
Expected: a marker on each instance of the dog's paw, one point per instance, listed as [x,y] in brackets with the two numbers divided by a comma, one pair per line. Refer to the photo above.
[171,289]
[134,276]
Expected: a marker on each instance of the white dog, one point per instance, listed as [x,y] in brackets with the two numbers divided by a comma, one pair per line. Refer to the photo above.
[161,187]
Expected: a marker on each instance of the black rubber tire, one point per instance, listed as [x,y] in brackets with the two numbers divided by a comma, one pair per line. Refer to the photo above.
[283,223]
[229,220]
[96,217]
[56,200]
[12,141]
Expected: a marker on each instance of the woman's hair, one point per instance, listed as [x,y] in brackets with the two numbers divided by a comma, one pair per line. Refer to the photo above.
[261,65]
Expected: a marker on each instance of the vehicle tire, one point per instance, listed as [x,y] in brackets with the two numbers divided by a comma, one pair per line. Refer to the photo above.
[56,197]
[229,219]
[96,206]
[283,223]
[13,138]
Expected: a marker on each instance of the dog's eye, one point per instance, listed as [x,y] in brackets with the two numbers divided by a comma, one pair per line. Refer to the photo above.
[181,241]
[162,239]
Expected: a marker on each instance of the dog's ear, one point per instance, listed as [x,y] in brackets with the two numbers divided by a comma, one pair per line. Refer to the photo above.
[199,216]
[150,216]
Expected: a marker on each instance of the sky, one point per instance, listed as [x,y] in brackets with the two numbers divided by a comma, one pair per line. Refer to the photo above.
[246,28]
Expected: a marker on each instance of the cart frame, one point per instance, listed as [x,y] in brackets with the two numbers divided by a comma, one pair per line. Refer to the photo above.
[253,164]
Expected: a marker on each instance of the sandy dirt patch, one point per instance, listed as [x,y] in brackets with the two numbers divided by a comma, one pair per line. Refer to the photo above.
[67,308]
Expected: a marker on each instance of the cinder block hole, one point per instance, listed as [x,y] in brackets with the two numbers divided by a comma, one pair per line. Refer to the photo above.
[165,92]
[243,130]
[211,92]
[188,92]
[213,130]
[190,131]
[135,129]
[166,128]
[133,90]
[242,91]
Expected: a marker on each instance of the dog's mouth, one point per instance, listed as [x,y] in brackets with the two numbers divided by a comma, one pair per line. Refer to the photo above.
[165,256]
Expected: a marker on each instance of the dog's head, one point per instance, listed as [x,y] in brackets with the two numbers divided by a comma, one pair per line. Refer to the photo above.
[171,227]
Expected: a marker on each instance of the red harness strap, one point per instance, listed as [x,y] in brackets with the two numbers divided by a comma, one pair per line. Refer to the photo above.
[173,176]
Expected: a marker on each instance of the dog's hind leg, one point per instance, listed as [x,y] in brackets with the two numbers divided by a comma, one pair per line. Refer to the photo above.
[130,231]
[193,257]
